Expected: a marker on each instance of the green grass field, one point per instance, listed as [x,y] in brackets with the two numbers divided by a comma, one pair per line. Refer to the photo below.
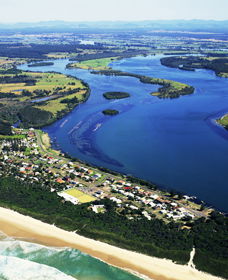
[82,197]
[2,137]
[95,64]
[51,82]
[224,121]
[55,105]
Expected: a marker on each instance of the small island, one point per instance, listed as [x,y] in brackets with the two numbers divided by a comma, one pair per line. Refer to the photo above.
[110,112]
[41,64]
[116,95]
[223,121]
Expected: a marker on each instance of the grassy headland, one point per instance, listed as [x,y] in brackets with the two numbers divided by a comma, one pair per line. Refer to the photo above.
[223,121]
[95,64]
[217,64]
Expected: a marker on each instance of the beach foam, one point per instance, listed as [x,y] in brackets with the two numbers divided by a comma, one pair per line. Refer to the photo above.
[13,268]
[52,263]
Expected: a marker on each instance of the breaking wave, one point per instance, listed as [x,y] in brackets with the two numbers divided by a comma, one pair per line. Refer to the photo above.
[21,260]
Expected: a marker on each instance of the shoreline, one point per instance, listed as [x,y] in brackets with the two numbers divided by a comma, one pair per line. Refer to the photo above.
[24,227]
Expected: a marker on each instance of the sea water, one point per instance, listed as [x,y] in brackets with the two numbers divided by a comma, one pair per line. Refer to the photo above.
[21,260]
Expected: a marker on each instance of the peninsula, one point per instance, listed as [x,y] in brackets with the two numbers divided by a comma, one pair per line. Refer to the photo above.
[169,89]
[216,62]
[38,99]
[223,121]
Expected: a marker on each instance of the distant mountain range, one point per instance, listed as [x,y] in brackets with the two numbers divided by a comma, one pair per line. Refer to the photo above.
[166,25]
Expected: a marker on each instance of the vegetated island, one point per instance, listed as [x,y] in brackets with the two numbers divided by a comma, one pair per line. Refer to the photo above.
[37,64]
[110,112]
[223,121]
[95,64]
[19,90]
[218,64]
[121,210]
[169,89]
[116,95]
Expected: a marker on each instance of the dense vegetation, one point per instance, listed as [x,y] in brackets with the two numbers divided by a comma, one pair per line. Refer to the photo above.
[16,79]
[217,64]
[31,116]
[5,128]
[110,112]
[116,95]
[150,237]
[107,54]
[39,51]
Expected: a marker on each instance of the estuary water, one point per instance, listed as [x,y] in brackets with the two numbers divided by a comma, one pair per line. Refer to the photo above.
[24,260]
[172,142]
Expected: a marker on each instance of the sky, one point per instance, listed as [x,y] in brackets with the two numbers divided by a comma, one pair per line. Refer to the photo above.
[112,10]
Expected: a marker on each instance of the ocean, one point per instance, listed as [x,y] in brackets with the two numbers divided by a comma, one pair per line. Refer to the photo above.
[23,260]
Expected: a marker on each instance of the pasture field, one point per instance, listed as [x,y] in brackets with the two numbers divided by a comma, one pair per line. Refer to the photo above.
[13,137]
[55,105]
[95,64]
[81,196]
[50,82]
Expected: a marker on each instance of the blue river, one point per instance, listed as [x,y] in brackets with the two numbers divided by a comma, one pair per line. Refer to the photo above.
[174,143]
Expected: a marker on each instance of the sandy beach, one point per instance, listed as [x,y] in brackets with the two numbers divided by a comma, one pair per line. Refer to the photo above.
[20,226]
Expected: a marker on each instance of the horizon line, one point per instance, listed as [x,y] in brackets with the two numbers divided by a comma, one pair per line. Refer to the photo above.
[113,21]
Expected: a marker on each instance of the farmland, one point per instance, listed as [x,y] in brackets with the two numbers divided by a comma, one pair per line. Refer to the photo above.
[38,99]
[51,83]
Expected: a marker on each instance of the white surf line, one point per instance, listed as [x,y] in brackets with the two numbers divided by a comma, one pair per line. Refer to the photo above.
[97,126]
[62,124]
[75,127]
[192,254]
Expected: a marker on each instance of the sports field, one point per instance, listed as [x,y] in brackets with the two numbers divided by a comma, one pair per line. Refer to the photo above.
[81,196]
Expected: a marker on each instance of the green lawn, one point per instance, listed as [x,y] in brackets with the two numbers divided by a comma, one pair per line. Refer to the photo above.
[12,136]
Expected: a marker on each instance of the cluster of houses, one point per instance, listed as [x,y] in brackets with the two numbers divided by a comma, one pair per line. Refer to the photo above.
[136,198]
[24,159]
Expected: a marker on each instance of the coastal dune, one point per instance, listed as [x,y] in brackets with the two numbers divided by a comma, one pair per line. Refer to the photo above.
[20,226]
